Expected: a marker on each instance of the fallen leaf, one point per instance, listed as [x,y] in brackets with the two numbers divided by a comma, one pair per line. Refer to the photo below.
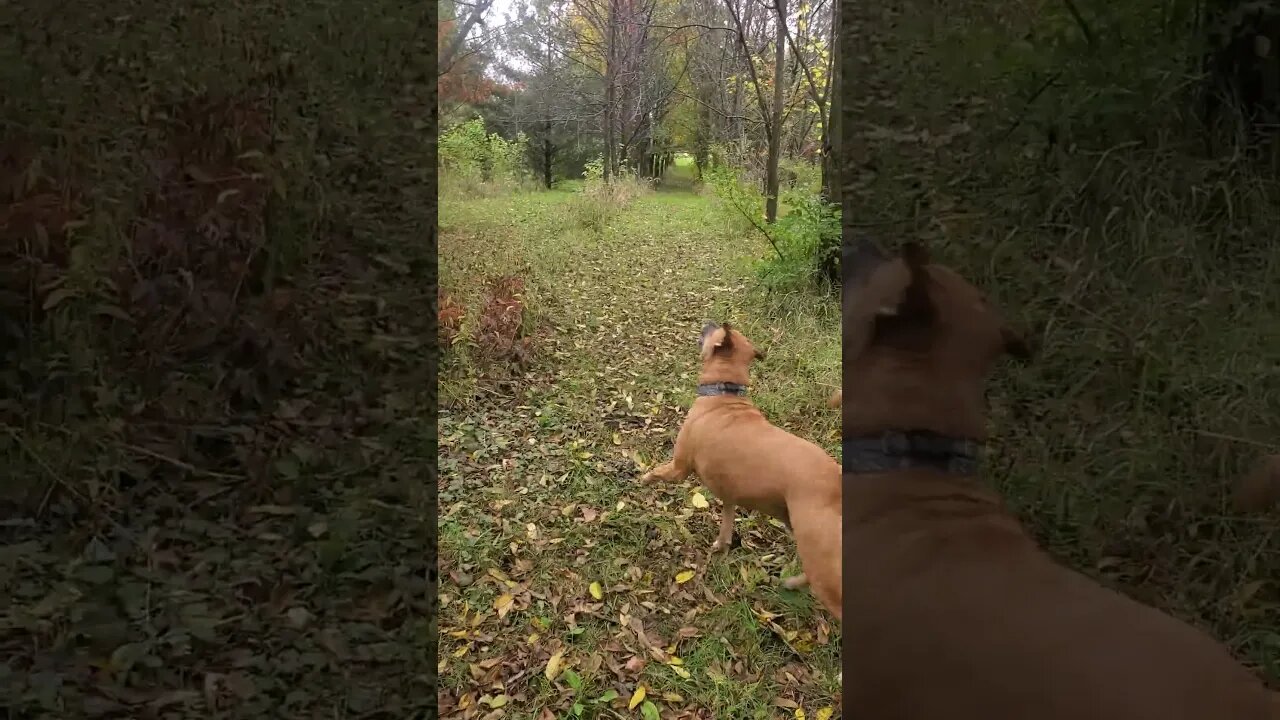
[699,501]
[554,666]
[684,576]
[649,711]
[596,591]
[824,714]
[503,604]
[636,698]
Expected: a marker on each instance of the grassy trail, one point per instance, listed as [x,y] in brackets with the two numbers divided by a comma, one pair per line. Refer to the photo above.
[566,585]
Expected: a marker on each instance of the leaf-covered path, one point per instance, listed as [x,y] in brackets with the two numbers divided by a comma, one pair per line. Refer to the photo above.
[568,588]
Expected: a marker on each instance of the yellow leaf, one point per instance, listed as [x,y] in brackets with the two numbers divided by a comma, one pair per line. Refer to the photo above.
[680,671]
[699,501]
[673,697]
[498,701]
[684,576]
[503,604]
[596,591]
[673,660]
[824,714]
[617,439]
[636,698]
[799,713]
[554,665]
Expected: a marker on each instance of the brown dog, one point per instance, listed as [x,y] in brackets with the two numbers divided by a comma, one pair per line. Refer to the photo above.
[954,612]
[748,463]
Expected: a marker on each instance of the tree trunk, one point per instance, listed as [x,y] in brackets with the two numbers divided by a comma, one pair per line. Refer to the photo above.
[849,154]
[445,61]
[831,141]
[610,93]
[775,121]
[548,152]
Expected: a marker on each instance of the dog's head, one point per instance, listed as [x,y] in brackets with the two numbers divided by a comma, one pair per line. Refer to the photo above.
[909,323]
[726,353]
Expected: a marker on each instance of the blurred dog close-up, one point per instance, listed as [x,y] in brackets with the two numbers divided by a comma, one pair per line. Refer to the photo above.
[954,610]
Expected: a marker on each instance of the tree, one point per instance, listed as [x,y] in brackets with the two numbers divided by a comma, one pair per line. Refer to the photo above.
[774,128]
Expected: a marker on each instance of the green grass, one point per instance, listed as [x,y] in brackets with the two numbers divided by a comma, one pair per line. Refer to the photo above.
[539,471]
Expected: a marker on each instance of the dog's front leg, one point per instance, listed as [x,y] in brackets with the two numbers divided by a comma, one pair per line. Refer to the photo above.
[678,469]
[725,539]
[667,471]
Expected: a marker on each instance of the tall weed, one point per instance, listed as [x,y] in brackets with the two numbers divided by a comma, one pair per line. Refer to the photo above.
[598,202]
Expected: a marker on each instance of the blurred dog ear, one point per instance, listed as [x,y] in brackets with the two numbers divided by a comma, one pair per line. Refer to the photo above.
[859,258]
[719,340]
[896,292]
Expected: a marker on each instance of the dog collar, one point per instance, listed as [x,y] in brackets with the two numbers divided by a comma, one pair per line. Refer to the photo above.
[721,388]
[903,450]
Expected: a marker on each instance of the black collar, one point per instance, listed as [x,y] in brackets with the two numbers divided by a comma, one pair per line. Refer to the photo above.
[721,388]
[902,450]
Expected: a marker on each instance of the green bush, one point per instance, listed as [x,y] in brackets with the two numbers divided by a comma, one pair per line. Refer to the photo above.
[805,238]
[741,204]
[808,238]
[473,156]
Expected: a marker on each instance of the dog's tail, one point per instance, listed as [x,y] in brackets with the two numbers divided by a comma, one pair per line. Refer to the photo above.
[1259,491]
[836,398]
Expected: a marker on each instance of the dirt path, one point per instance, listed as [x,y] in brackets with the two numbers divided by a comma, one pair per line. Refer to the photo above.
[568,587]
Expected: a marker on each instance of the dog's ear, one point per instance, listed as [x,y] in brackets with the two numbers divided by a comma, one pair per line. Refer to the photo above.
[896,293]
[719,340]
[916,305]
[859,258]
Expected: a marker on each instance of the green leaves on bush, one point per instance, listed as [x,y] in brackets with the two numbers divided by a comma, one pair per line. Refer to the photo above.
[477,156]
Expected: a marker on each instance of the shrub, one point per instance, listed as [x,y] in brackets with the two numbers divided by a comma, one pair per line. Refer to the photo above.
[808,238]
[474,157]
[740,202]
[597,202]
[500,328]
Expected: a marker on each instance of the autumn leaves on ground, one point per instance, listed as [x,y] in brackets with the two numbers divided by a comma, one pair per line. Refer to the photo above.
[568,589]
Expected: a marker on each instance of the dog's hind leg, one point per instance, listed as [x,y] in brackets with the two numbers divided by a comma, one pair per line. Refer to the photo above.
[725,539]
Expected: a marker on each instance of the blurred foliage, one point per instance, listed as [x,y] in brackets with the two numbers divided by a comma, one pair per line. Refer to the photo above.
[216,237]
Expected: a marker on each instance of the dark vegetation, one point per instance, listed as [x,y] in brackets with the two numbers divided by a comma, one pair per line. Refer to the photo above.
[216,368]
[1107,171]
